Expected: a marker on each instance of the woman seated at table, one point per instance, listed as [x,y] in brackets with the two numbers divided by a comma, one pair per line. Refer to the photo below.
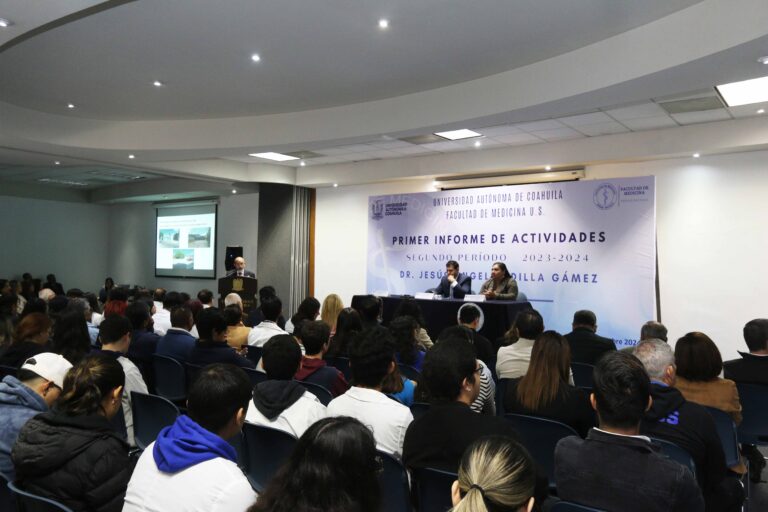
[500,286]
[544,390]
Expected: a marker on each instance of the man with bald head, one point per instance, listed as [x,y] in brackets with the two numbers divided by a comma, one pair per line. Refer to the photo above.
[240,270]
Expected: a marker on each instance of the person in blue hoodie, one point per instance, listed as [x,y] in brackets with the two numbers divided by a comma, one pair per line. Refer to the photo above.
[191,466]
[36,387]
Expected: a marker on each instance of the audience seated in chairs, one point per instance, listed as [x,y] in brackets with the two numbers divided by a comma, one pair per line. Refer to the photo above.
[652,329]
[495,473]
[162,318]
[329,312]
[308,311]
[586,345]
[212,346]
[372,360]
[544,391]
[616,468]
[404,330]
[237,333]
[34,390]
[410,307]
[30,338]
[271,309]
[71,454]
[512,361]
[115,335]
[485,401]
[334,467]
[314,335]
[256,316]
[688,425]
[282,402]
[348,329]
[178,342]
[144,340]
[191,466]
[70,335]
[469,317]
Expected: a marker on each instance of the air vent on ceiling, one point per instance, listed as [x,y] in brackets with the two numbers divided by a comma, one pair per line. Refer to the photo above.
[115,176]
[692,105]
[304,154]
[68,183]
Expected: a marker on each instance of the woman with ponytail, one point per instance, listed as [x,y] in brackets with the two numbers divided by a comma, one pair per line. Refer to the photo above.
[495,474]
[72,454]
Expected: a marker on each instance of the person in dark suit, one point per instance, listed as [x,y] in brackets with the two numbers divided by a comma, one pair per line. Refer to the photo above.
[615,468]
[454,284]
[212,346]
[240,269]
[752,367]
[586,346]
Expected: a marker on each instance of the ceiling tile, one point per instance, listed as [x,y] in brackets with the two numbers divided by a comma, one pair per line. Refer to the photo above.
[649,123]
[493,131]
[748,110]
[381,153]
[413,150]
[705,116]
[391,144]
[641,110]
[584,119]
[558,134]
[537,126]
[518,139]
[445,146]
[607,128]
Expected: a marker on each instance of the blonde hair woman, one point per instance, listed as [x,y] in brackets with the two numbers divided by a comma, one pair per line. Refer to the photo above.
[332,306]
[495,473]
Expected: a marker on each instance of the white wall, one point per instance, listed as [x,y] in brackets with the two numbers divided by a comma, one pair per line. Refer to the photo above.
[132,242]
[711,215]
[63,238]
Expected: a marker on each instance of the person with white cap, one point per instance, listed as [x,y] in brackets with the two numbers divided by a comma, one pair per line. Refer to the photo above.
[36,388]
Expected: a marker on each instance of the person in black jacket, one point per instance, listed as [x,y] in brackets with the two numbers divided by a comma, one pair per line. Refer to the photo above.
[72,454]
[752,367]
[212,346]
[688,425]
[586,346]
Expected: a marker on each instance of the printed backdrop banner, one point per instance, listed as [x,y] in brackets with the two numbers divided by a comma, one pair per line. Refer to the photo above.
[570,246]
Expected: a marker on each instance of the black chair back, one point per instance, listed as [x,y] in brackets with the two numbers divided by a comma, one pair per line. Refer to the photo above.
[433,489]
[191,372]
[501,390]
[266,449]
[254,353]
[255,376]
[409,371]
[151,414]
[754,424]
[341,364]
[28,502]
[118,423]
[676,453]
[319,391]
[726,430]
[419,408]
[567,506]
[8,370]
[393,481]
[582,375]
[170,378]
[6,498]
[540,436]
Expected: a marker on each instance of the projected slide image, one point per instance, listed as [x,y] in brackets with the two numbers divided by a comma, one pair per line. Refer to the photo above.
[199,237]
[168,238]
[184,259]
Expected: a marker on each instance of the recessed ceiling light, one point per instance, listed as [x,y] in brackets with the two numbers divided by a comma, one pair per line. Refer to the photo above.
[278,157]
[548,168]
[70,105]
[234,191]
[303,163]
[56,163]
[5,23]
[256,57]
[761,111]
[745,92]
[158,83]
[458,134]
[696,155]
[478,143]
[383,23]
[763,60]
[335,185]
[131,156]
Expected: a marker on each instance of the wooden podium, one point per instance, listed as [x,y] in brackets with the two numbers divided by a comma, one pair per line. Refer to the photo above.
[245,287]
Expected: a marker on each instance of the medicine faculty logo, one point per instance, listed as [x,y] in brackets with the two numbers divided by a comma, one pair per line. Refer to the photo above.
[377,210]
[605,196]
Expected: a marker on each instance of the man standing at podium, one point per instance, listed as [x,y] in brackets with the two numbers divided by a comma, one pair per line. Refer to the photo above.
[240,270]
[454,284]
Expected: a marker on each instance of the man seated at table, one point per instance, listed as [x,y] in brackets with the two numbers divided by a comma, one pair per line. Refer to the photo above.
[454,284]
